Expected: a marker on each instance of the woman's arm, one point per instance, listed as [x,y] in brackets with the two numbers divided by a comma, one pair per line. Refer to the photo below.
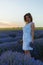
[33,28]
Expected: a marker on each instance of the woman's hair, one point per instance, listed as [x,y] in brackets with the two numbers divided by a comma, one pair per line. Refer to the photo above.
[29,15]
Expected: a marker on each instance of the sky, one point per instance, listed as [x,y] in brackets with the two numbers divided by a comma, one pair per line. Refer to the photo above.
[12,12]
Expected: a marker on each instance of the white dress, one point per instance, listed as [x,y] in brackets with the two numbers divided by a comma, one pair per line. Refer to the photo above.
[27,37]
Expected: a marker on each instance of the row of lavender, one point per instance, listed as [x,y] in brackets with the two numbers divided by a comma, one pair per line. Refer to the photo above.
[17,58]
[12,40]
[8,36]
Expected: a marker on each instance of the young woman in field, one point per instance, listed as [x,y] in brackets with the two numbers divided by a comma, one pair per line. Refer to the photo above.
[28,33]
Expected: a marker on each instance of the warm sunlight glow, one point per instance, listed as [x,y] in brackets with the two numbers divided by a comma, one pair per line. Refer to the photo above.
[12,12]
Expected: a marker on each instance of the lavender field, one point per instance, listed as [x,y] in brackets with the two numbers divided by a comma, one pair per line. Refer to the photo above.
[11,52]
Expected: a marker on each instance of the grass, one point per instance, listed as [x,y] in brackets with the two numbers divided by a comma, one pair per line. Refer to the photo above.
[39,28]
[20,28]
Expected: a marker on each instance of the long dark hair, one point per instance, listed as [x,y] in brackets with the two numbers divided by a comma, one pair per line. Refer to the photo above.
[29,15]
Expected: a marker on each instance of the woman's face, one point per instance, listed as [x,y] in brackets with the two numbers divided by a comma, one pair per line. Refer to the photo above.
[28,19]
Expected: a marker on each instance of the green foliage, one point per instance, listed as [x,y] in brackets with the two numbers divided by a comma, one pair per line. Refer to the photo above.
[18,28]
[39,28]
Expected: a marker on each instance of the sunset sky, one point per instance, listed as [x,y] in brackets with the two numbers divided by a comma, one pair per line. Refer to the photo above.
[12,12]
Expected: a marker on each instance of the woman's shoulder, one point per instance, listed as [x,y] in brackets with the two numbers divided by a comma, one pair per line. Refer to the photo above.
[32,23]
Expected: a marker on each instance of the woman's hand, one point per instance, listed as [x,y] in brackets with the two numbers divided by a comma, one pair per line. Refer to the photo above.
[32,41]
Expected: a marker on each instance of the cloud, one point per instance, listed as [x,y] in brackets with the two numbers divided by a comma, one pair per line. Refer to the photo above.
[4,25]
